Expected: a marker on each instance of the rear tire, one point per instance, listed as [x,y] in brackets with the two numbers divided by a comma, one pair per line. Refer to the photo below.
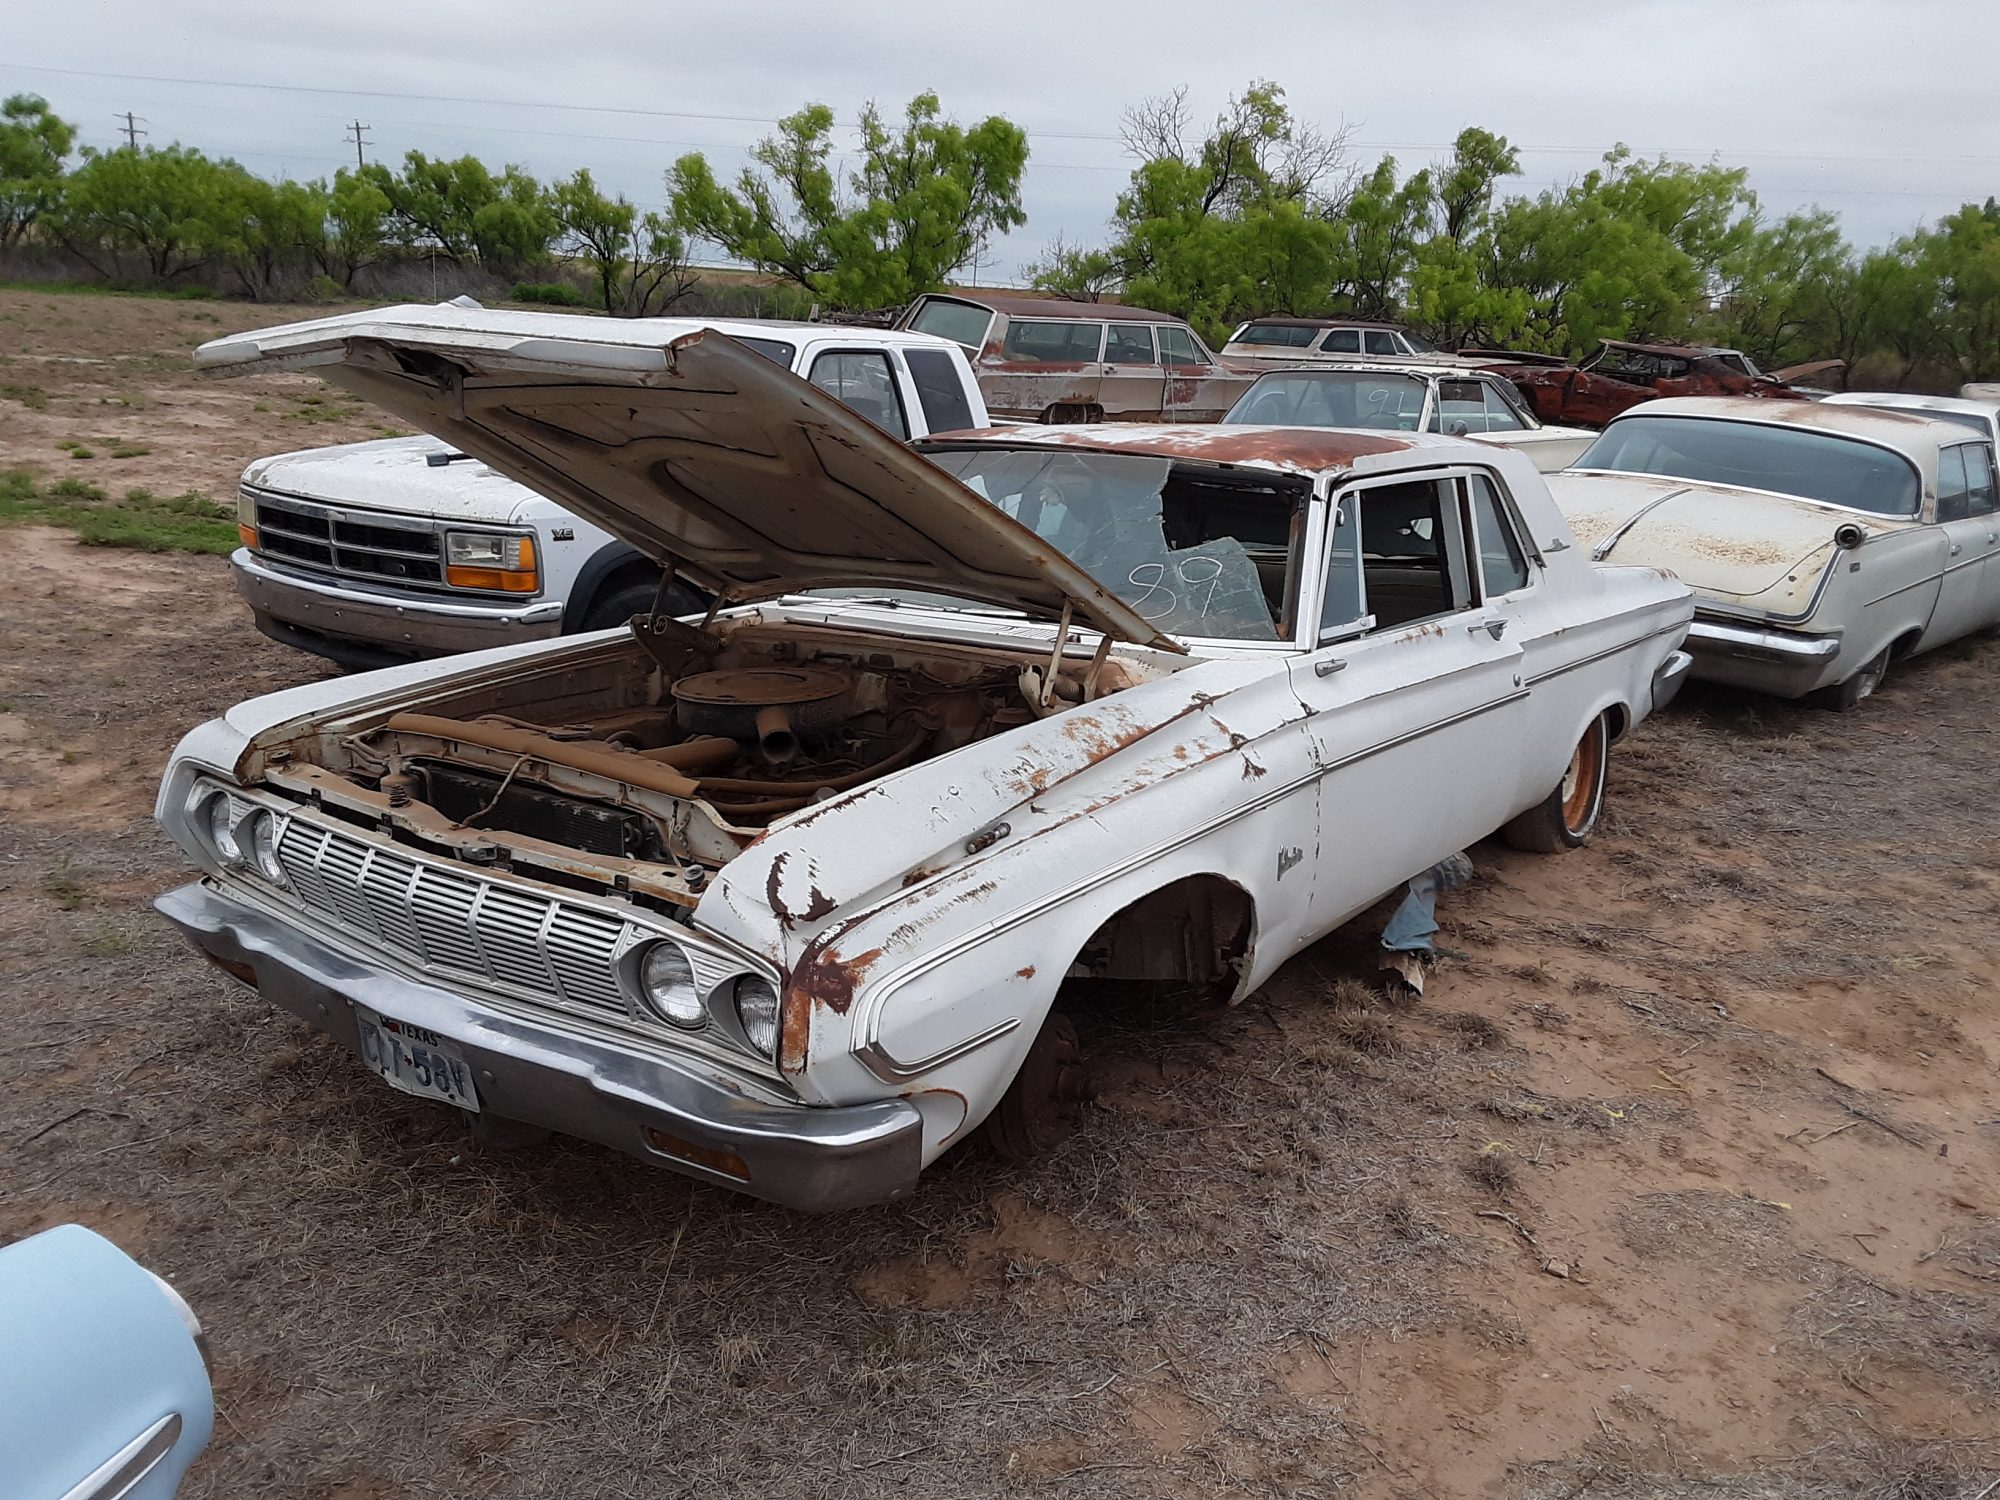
[619,604]
[1568,816]
[1040,1108]
[1845,697]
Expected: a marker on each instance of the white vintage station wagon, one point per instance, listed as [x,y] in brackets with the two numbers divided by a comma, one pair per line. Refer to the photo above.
[788,899]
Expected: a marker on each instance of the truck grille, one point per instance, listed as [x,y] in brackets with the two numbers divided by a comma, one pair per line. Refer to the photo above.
[438,919]
[404,549]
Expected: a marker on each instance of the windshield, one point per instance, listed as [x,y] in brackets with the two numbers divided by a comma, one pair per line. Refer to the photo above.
[1789,460]
[1334,398]
[1196,552]
[1280,335]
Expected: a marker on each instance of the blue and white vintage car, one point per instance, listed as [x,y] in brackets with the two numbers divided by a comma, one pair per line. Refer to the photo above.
[786,899]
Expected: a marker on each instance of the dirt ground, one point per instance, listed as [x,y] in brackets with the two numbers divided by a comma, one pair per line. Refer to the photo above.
[1679,1181]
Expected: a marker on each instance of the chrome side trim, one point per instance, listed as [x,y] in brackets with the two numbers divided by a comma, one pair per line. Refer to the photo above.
[891,1069]
[126,1469]
[1584,661]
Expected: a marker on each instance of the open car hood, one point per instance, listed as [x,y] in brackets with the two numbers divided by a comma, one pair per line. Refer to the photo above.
[699,451]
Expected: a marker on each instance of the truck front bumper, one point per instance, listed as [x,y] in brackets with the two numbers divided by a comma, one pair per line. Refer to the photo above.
[361,627]
[674,1112]
[1784,663]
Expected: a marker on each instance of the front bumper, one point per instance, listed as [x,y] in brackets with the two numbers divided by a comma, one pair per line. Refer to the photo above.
[674,1113]
[362,627]
[1784,663]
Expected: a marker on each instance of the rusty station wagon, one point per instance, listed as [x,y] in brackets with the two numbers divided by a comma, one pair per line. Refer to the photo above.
[1045,359]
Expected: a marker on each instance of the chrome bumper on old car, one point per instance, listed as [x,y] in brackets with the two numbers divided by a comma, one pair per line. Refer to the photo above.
[672,1111]
[1785,663]
[361,627]
[1669,677]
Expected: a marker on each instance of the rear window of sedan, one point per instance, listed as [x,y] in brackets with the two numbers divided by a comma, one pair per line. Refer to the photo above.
[1340,398]
[1821,466]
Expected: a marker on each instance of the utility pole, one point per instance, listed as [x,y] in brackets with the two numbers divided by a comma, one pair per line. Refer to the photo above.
[132,130]
[360,140]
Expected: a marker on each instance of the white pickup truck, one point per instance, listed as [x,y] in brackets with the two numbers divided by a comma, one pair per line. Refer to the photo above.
[374,553]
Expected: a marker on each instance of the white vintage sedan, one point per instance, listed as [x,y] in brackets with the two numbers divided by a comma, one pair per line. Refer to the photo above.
[786,899]
[1823,541]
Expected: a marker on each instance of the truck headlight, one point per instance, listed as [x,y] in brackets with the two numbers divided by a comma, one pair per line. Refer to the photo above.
[246,519]
[490,560]
[666,979]
[757,1010]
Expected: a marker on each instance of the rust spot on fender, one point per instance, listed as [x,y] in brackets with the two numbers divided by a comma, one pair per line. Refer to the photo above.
[1027,972]
[825,978]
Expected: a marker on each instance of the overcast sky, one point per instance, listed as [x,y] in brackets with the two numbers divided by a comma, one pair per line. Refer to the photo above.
[1886,111]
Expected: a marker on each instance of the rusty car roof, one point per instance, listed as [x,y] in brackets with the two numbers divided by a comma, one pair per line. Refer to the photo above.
[1057,307]
[1295,450]
[1908,433]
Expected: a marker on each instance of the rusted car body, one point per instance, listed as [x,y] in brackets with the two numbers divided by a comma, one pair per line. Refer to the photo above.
[785,901]
[1045,359]
[1620,375]
[1382,397]
[1822,540]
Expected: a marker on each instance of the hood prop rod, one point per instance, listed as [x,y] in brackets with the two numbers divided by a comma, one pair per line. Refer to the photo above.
[1047,694]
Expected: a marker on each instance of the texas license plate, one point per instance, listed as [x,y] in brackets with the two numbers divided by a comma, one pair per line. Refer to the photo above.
[414,1060]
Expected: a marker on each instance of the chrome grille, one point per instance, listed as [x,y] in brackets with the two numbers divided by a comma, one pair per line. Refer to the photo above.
[436,918]
[401,549]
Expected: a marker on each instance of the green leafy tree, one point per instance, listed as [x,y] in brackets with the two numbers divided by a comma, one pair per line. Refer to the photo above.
[464,211]
[263,228]
[34,145]
[165,205]
[356,231]
[923,198]
[639,261]
[1787,291]
[1960,260]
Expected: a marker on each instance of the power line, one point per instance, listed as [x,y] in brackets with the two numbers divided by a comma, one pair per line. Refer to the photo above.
[360,140]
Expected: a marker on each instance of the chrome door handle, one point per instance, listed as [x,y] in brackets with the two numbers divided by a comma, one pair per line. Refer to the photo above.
[1326,666]
[1494,628]
[1955,549]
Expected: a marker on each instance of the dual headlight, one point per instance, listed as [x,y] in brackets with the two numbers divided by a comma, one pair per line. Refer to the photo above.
[241,840]
[672,990]
[491,560]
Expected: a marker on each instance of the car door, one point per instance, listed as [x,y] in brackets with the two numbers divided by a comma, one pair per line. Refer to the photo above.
[1135,384]
[1983,502]
[1970,540]
[1197,391]
[1415,705]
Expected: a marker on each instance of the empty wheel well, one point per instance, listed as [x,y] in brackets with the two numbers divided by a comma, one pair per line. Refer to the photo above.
[1904,644]
[1194,930]
[1619,719]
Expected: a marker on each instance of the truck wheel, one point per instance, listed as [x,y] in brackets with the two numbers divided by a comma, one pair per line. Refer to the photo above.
[1568,816]
[619,604]
[1845,697]
[1041,1105]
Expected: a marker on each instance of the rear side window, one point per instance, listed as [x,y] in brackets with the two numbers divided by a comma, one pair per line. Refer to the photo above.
[1503,567]
[958,321]
[1382,343]
[1343,341]
[940,390]
[1177,347]
[1054,342]
[1129,344]
[861,380]
[1277,335]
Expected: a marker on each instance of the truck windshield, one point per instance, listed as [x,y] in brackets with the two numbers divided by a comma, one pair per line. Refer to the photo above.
[1821,466]
[1333,398]
[1197,552]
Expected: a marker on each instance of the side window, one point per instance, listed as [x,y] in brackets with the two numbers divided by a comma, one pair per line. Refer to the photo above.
[1176,347]
[1953,499]
[1412,557]
[1503,567]
[1461,408]
[861,380]
[940,390]
[1054,342]
[1343,341]
[1982,498]
[1342,610]
[1129,344]
[1380,342]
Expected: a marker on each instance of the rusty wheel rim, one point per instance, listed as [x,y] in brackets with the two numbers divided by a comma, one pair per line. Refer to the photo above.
[1579,784]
